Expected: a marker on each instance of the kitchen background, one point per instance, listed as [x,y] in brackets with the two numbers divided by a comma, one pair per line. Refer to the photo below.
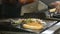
[47,2]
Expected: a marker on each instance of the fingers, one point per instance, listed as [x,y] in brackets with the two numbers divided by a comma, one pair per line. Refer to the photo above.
[25,1]
[55,3]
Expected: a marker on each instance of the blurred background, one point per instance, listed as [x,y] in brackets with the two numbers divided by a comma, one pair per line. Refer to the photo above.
[14,8]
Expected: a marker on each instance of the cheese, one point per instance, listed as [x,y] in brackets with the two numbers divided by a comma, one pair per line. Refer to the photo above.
[52,10]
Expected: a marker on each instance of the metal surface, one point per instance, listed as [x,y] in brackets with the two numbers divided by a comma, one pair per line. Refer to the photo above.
[53,29]
[33,7]
[36,31]
[48,31]
[57,31]
[4,20]
[9,32]
[49,24]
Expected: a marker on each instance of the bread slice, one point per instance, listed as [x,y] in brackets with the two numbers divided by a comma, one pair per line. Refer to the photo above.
[35,26]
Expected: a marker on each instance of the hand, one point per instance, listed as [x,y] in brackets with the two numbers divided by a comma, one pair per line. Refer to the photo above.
[25,1]
[55,4]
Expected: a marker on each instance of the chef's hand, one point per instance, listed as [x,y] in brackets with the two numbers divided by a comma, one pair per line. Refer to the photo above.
[25,1]
[55,4]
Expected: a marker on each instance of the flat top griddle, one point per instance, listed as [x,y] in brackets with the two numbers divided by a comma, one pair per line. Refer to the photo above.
[10,28]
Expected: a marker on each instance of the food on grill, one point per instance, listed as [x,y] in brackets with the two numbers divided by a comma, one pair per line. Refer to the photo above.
[16,22]
[52,10]
[32,24]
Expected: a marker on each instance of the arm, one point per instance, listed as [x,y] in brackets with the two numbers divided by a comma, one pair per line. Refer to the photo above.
[19,1]
[25,1]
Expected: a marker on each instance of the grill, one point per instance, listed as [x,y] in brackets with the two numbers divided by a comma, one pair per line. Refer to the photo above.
[9,30]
